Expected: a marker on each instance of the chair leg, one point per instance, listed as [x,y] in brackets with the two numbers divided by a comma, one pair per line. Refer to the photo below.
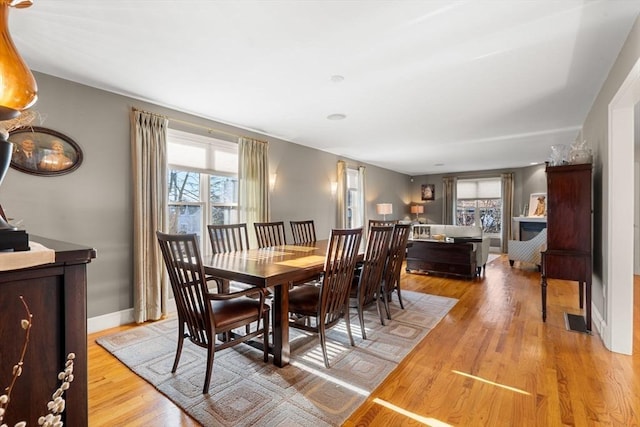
[211,351]
[348,322]
[361,317]
[385,301]
[399,294]
[265,336]
[379,309]
[323,342]
[179,348]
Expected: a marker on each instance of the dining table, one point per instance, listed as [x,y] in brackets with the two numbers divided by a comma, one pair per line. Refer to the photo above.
[276,268]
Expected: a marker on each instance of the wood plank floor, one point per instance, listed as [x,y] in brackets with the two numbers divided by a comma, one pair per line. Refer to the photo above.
[490,362]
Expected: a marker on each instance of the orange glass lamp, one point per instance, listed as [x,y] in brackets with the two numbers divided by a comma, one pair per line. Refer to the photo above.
[417,209]
[384,209]
[18,91]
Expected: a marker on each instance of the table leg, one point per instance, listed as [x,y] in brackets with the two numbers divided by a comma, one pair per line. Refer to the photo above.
[544,298]
[281,325]
[588,302]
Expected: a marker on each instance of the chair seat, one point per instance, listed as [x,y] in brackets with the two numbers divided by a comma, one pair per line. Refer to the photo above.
[304,300]
[229,313]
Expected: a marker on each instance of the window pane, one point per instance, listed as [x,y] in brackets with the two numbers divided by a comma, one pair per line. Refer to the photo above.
[466,212]
[224,215]
[491,215]
[184,186]
[185,219]
[223,189]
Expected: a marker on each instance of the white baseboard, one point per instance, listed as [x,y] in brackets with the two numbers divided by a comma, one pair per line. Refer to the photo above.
[109,320]
[598,323]
[118,318]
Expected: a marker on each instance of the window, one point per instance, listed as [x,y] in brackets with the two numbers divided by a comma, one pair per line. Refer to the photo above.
[202,181]
[355,210]
[479,202]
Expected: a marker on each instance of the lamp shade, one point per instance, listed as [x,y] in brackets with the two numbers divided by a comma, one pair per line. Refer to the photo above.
[384,208]
[417,209]
[18,89]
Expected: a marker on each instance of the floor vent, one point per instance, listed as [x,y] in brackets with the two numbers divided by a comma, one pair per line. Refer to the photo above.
[575,323]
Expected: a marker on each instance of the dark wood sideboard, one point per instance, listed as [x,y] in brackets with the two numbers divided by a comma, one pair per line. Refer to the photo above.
[56,295]
[434,256]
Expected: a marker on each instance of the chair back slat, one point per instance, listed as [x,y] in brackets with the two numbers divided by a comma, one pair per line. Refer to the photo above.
[340,262]
[270,234]
[228,237]
[303,231]
[375,258]
[397,250]
[186,275]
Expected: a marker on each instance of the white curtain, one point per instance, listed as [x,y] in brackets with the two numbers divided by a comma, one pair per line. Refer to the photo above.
[253,182]
[149,164]
[449,200]
[341,195]
[507,208]
[363,198]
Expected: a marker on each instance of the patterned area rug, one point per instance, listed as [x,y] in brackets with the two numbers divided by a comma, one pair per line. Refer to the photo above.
[245,391]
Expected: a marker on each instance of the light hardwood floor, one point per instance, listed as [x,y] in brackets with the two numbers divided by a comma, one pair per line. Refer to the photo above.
[490,362]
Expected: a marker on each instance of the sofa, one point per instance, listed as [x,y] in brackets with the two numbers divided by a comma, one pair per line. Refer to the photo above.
[442,231]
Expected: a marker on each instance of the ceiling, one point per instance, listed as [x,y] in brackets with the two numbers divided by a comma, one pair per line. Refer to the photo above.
[426,86]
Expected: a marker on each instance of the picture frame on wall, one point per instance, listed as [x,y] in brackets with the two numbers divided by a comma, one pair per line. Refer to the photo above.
[45,152]
[428,191]
[538,205]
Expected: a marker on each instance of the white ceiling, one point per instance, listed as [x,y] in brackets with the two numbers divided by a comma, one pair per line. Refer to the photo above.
[429,86]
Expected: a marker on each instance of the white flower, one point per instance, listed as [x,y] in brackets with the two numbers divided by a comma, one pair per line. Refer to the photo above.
[4,399]
[21,424]
[25,324]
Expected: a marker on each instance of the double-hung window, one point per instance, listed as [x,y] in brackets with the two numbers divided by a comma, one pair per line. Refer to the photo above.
[202,182]
[479,202]
[355,210]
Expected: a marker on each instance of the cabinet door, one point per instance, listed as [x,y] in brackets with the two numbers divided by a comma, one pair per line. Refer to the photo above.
[569,208]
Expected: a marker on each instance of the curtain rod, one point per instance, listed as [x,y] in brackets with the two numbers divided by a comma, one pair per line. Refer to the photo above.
[184,122]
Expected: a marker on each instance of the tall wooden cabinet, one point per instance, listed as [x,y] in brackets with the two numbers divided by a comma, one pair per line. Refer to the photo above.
[569,227]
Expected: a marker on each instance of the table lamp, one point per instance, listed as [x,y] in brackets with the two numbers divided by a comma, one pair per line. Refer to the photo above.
[384,209]
[18,91]
[417,209]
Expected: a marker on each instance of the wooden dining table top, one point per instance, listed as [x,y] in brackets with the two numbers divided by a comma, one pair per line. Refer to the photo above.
[270,266]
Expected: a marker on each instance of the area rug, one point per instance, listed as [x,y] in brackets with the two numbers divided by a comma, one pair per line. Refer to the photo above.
[245,391]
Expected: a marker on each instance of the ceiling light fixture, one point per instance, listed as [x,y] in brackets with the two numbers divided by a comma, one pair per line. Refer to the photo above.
[337,116]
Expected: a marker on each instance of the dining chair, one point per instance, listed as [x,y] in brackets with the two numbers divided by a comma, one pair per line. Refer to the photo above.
[391,275]
[203,313]
[228,238]
[365,287]
[270,234]
[328,303]
[303,231]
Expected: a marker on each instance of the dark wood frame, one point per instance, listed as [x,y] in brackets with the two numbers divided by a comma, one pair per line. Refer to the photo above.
[43,138]
[431,187]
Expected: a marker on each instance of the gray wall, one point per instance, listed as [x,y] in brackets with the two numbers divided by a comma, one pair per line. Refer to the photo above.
[527,180]
[596,132]
[93,205]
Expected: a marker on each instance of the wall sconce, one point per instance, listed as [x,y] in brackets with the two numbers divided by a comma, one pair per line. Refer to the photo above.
[417,209]
[384,209]
[18,91]
[334,188]
[272,181]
